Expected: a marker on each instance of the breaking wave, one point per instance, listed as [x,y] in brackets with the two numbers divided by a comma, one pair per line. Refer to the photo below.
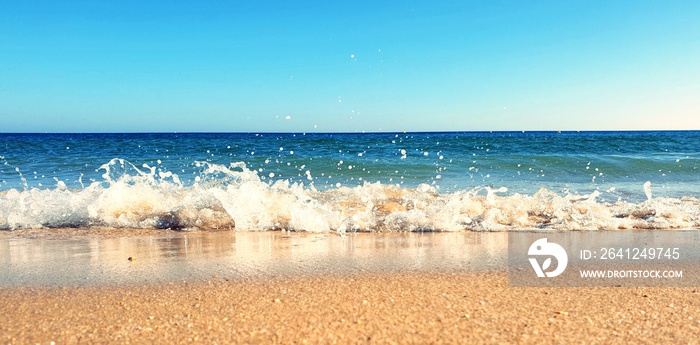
[235,197]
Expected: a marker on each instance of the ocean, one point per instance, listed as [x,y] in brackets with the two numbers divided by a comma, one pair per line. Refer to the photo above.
[345,182]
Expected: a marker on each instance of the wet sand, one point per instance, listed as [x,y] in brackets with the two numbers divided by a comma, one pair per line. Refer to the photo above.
[294,288]
[101,256]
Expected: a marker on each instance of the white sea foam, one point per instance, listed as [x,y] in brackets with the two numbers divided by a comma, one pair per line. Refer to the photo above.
[236,197]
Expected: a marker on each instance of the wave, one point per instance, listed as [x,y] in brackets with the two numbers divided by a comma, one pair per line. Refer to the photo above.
[235,197]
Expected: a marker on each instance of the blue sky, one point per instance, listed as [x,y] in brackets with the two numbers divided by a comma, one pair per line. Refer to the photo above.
[305,66]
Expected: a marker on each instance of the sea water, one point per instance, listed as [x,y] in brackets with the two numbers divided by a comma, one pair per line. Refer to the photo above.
[482,181]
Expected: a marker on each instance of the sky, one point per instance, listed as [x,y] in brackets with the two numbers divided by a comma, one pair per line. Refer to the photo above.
[325,66]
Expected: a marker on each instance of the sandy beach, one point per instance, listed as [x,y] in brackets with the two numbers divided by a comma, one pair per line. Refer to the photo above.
[331,172]
[358,308]
[381,288]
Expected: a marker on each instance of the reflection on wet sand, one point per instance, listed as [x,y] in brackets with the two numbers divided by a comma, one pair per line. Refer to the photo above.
[162,257]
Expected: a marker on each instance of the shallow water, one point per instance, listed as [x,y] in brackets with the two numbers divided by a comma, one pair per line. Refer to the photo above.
[180,256]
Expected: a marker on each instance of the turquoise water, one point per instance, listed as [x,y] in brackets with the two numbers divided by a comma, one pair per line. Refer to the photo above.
[335,177]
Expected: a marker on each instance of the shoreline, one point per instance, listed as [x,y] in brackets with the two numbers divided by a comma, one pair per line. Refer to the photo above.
[106,257]
[277,287]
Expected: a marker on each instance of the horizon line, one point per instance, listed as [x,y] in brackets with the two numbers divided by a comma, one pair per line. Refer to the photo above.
[370,132]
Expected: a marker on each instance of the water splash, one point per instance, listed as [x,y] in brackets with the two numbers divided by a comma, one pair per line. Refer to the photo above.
[235,197]
[647,190]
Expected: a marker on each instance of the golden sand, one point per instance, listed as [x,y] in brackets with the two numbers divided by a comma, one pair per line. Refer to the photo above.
[356,308]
